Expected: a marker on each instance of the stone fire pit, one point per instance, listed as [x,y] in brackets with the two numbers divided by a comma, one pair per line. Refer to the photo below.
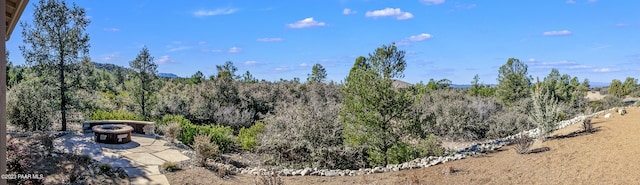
[112,134]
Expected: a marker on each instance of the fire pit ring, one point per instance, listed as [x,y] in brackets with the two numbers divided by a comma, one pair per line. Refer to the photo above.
[112,133]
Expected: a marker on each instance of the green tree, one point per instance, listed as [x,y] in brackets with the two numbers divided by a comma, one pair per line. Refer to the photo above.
[513,81]
[196,78]
[479,89]
[616,89]
[371,105]
[388,61]
[248,78]
[318,74]
[226,70]
[145,72]
[55,42]
[629,86]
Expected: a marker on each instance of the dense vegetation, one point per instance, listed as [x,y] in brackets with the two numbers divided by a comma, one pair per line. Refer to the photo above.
[365,121]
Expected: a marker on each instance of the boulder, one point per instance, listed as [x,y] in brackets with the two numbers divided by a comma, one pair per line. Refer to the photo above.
[608,115]
[622,111]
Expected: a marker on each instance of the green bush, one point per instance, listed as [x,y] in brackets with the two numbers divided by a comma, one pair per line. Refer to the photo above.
[248,137]
[220,135]
[114,115]
[173,118]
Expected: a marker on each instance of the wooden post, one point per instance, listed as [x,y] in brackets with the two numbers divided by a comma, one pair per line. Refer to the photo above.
[3,92]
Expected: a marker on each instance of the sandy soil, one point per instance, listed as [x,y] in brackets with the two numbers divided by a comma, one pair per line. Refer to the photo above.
[607,156]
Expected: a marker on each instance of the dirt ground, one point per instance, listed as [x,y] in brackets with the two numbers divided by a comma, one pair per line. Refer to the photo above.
[607,156]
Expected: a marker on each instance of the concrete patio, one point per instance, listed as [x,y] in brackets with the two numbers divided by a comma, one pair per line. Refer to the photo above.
[141,158]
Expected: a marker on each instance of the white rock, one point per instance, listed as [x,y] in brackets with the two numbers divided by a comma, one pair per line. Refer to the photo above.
[608,115]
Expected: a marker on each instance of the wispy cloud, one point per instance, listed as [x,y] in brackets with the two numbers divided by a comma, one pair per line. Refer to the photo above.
[564,64]
[419,37]
[234,50]
[348,11]
[622,25]
[414,38]
[557,33]
[220,11]
[604,70]
[306,23]
[432,2]
[570,2]
[110,57]
[593,1]
[250,63]
[283,68]
[390,12]
[270,39]
[179,48]
[304,65]
[165,59]
[111,29]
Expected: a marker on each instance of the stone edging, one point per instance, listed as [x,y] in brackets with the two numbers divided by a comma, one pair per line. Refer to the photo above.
[416,163]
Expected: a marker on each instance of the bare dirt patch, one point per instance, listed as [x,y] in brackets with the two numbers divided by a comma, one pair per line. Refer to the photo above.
[606,156]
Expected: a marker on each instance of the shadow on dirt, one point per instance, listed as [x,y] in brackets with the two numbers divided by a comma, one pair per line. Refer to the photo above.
[539,150]
[575,134]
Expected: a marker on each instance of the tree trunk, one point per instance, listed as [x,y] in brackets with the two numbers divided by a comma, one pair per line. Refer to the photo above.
[63,89]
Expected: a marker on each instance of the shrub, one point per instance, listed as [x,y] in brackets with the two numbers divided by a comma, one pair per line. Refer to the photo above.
[268,178]
[546,112]
[248,138]
[114,115]
[587,125]
[171,131]
[30,105]
[611,101]
[217,134]
[105,167]
[170,166]
[298,131]
[47,142]
[430,146]
[204,148]
[523,143]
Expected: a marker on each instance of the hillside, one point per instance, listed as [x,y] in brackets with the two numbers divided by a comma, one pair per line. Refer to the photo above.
[607,156]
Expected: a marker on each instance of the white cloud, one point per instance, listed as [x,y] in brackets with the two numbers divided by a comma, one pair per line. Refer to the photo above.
[390,12]
[593,1]
[220,11]
[432,2]
[234,50]
[250,63]
[174,49]
[602,70]
[111,29]
[109,58]
[414,38]
[272,39]
[202,42]
[283,68]
[304,65]
[348,11]
[165,59]
[570,2]
[306,23]
[419,37]
[556,33]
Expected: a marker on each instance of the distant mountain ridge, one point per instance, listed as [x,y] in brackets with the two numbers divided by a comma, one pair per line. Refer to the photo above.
[113,67]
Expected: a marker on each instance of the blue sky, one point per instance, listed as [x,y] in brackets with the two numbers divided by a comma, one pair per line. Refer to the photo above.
[594,39]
